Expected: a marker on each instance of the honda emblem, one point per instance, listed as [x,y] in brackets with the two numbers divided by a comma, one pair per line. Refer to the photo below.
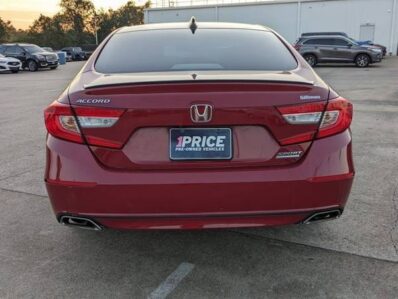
[201,113]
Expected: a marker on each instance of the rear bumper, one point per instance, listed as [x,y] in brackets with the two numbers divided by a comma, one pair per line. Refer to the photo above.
[78,185]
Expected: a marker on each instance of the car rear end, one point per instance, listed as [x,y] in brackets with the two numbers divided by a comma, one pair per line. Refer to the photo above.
[308,46]
[299,43]
[184,128]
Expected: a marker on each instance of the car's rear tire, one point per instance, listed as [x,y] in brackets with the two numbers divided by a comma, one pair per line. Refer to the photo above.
[311,59]
[362,60]
[32,66]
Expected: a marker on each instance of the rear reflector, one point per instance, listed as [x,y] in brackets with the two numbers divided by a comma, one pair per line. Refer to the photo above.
[61,123]
[334,119]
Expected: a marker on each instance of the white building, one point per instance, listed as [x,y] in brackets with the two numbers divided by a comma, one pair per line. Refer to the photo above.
[375,20]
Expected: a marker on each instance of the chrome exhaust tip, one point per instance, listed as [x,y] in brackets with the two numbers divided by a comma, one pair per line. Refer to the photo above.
[80,222]
[323,216]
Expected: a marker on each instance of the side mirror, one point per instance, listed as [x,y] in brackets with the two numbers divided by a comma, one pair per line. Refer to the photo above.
[350,46]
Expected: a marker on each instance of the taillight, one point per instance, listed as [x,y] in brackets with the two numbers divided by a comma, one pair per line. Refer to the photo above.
[297,47]
[61,123]
[334,119]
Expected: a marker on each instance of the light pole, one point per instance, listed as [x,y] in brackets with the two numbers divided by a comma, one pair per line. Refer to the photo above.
[96,29]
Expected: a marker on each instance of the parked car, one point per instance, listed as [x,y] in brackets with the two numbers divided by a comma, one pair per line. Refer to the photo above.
[76,53]
[323,33]
[89,49]
[69,57]
[199,132]
[336,48]
[367,43]
[9,64]
[32,56]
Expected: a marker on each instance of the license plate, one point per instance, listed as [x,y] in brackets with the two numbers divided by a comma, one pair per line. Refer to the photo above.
[200,144]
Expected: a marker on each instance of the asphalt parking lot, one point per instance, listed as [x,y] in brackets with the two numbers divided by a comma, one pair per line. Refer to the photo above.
[353,257]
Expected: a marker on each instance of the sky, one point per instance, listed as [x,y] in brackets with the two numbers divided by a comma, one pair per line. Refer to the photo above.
[22,12]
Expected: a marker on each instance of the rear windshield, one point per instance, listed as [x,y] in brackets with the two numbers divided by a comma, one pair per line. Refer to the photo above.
[207,49]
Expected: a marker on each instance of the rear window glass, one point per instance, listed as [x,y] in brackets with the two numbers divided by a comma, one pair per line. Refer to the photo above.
[207,49]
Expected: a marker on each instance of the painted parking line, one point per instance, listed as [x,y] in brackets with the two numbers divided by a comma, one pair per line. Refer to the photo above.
[172,281]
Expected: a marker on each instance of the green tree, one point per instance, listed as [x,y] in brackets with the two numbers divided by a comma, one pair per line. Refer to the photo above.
[76,24]
[47,31]
[6,30]
[78,19]
[130,14]
[127,15]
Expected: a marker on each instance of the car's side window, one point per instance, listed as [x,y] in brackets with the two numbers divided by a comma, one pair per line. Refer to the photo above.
[328,41]
[340,42]
[313,42]
[14,50]
[2,49]
[319,41]
[10,50]
[19,50]
[308,42]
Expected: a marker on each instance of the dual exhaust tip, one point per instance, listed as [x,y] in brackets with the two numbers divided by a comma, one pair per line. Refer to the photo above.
[80,222]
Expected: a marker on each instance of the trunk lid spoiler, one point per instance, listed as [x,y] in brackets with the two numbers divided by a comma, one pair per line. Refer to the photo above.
[109,80]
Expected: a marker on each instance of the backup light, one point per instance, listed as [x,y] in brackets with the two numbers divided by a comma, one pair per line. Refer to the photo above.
[69,123]
[329,118]
[303,118]
[97,122]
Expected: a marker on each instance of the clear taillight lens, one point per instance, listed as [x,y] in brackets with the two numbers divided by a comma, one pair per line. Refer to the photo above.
[68,123]
[97,122]
[303,118]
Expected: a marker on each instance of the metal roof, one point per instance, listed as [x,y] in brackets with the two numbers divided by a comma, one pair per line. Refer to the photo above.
[178,4]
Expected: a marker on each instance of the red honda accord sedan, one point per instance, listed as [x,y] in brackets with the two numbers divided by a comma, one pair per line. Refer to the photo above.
[197,125]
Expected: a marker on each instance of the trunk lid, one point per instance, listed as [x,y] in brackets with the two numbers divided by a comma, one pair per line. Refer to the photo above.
[155,103]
